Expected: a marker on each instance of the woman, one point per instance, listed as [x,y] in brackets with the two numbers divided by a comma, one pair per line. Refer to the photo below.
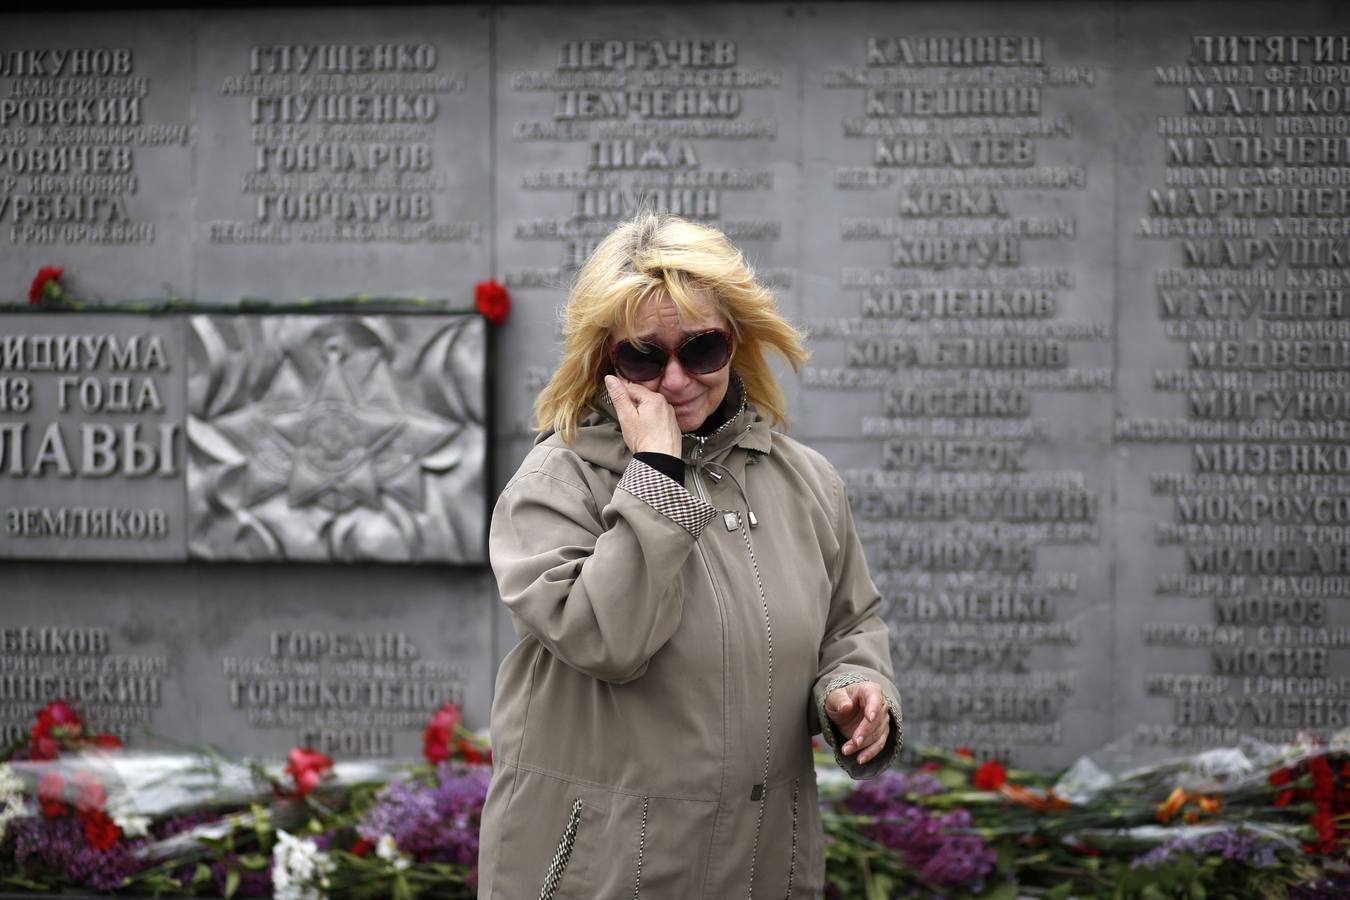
[691,600]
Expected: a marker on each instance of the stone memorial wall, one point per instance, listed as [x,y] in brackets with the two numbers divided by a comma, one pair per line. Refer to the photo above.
[1076,279]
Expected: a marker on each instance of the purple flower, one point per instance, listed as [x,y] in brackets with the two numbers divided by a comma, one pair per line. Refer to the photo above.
[435,823]
[59,845]
[1237,844]
[939,849]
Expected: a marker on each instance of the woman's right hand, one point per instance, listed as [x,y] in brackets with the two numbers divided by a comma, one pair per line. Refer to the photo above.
[646,419]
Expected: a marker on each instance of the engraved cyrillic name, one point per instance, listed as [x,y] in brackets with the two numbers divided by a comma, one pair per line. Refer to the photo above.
[344,147]
[115,692]
[1252,204]
[348,693]
[72,120]
[604,117]
[957,340]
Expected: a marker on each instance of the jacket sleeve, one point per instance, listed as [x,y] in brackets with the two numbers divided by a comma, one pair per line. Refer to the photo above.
[599,588]
[856,646]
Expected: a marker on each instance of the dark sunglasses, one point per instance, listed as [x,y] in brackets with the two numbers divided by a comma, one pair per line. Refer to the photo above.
[699,354]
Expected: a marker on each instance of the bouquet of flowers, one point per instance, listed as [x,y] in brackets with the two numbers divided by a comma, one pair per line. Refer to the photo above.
[79,811]
[1248,821]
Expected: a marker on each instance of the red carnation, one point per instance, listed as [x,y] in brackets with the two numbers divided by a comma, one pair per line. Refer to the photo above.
[440,729]
[38,289]
[469,752]
[100,832]
[362,847]
[990,776]
[56,720]
[966,752]
[51,789]
[306,767]
[492,300]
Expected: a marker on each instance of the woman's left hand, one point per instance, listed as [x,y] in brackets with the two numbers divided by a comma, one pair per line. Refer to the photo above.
[861,713]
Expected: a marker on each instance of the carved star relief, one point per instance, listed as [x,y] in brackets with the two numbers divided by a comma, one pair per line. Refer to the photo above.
[332,444]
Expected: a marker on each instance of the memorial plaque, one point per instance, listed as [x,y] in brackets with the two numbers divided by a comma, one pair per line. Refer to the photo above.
[96,143]
[91,437]
[962,352]
[343,152]
[1075,278]
[348,660]
[337,438]
[1233,412]
[606,110]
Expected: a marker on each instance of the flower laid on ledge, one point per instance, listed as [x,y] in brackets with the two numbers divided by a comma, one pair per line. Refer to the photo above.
[58,728]
[1252,821]
[307,768]
[492,300]
[46,287]
[445,736]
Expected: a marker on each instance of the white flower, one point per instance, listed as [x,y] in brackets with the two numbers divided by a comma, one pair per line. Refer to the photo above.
[11,797]
[132,825]
[11,785]
[386,848]
[299,870]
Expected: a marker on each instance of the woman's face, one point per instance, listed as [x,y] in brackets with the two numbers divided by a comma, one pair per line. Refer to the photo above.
[692,397]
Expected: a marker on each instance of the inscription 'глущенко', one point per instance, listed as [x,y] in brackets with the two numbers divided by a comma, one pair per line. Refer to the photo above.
[344,144]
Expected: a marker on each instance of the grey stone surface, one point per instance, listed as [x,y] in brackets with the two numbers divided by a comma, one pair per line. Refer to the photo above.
[252,659]
[1089,517]
[337,438]
[1230,579]
[91,428]
[959,314]
[96,153]
[358,141]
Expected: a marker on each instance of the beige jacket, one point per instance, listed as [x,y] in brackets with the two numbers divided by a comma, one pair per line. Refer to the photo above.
[652,727]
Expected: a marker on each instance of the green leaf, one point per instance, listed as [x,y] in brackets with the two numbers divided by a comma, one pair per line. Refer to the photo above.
[1005,891]
[254,862]
[401,889]
[201,875]
[1060,891]
[879,887]
[232,880]
[952,780]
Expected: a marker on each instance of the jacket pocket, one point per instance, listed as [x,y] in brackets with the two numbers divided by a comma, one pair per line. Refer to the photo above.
[557,868]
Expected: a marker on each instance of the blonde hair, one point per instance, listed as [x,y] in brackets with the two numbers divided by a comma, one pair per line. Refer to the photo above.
[647,255]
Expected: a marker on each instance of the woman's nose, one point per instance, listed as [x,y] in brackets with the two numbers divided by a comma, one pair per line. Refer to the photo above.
[674,375]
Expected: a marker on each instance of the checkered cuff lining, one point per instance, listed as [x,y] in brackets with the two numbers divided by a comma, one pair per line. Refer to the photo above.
[666,497]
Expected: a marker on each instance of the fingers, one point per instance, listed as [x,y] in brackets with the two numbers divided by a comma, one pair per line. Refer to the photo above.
[870,752]
[618,395]
[869,726]
[838,704]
